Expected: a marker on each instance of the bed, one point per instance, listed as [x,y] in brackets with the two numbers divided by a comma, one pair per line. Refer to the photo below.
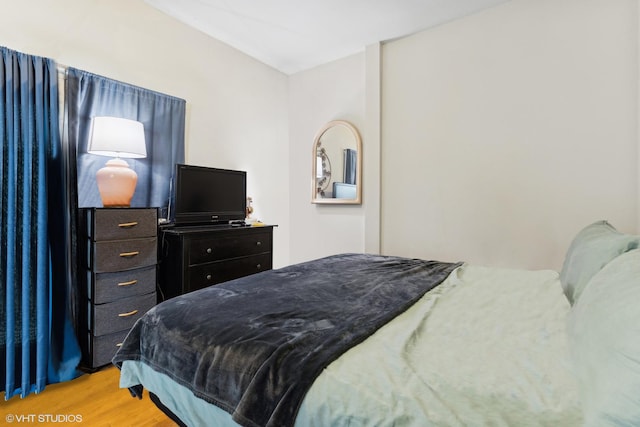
[371,340]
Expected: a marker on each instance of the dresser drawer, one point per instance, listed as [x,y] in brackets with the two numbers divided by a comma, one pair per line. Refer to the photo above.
[105,347]
[204,275]
[117,255]
[122,284]
[121,314]
[116,224]
[232,245]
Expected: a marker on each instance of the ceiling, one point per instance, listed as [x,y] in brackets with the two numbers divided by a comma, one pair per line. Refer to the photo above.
[295,35]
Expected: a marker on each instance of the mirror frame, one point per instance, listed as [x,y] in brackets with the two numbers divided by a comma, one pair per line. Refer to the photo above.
[358,141]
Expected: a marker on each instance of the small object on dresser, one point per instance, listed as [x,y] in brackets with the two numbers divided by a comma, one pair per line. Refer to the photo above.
[249,207]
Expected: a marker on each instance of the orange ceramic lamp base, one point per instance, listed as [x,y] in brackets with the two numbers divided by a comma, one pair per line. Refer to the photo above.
[116,183]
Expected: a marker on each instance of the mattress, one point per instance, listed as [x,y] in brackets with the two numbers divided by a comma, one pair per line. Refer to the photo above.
[487,347]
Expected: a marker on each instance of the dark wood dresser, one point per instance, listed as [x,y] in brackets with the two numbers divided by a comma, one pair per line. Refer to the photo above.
[117,266]
[195,257]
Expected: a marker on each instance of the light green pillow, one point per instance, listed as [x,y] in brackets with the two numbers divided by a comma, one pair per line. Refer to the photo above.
[592,248]
[604,338]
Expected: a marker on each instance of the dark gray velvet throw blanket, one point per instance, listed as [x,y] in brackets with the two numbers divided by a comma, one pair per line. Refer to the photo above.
[253,346]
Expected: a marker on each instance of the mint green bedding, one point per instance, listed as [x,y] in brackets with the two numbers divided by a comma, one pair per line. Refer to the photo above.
[488,347]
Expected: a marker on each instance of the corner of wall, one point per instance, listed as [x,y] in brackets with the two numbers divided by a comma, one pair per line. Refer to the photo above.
[372,170]
[637,117]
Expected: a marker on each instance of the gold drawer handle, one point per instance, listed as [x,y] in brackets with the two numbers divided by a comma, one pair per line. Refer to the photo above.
[129,254]
[131,313]
[128,224]
[129,283]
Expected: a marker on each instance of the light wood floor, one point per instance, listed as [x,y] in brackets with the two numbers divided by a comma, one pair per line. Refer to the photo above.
[95,397]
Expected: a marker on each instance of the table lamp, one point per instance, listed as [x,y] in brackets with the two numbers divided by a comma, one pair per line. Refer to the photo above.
[116,137]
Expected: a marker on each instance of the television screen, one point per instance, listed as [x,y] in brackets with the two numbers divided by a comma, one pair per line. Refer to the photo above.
[205,195]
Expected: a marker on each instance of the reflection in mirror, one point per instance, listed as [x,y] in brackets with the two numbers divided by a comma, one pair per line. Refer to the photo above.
[337,164]
[323,170]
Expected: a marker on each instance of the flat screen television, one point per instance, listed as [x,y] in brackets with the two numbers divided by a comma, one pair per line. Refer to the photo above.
[205,195]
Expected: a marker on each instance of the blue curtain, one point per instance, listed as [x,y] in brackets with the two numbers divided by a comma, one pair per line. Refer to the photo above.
[163,117]
[37,343]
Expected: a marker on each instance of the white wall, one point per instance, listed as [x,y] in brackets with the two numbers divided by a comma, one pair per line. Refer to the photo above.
[507,131]
[517,124]
[334,91]
[236,106]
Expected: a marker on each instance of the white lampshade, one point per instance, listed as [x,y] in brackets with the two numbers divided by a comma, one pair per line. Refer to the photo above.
[116,137]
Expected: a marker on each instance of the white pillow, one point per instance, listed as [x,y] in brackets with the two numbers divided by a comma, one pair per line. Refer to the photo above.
[592,248]
[604,337]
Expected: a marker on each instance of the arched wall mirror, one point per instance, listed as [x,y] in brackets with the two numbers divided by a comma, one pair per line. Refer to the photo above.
[337,164]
